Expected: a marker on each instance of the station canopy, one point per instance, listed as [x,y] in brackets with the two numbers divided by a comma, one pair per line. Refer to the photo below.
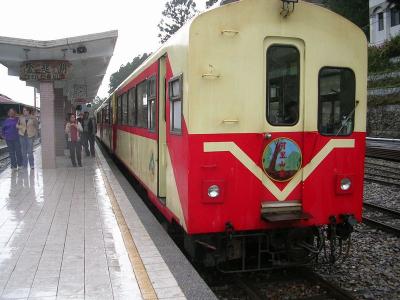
[76,64]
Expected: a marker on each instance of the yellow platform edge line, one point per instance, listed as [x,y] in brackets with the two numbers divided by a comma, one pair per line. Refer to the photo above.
[144,282]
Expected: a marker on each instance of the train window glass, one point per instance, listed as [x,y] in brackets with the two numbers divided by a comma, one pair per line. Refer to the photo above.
[132,107]
[119,110]
[152,103]
[175,96]
[141,91]
[283,82]
[111,112]
[107,112]
[125,109]
[337,88]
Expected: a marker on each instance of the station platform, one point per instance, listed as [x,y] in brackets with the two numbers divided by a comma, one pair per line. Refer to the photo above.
[72,233]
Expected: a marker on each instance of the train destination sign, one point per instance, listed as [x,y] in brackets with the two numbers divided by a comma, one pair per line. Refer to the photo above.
[39,70]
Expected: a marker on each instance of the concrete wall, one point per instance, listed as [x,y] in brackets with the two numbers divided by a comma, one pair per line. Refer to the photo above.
[384,121]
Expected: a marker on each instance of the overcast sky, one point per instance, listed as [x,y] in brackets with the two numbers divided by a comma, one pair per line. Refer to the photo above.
[135,20]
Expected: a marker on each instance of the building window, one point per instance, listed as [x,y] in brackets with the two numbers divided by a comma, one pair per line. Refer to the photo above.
[152,103]
[283,82]
[125,109]
[141,101]
[132,107]
[176,97]
[394,16]
[380,21]
[337,89]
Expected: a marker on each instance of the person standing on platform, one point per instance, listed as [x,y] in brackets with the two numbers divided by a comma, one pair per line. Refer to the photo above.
[74,129]
[28,129]
[89,134]
[9,132]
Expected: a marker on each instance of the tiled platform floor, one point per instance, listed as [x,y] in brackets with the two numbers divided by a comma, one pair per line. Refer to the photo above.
[59,238]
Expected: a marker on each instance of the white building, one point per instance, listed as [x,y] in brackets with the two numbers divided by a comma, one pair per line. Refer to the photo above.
[384,21]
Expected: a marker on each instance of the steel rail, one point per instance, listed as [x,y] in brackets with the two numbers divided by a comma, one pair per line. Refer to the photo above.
[332,289]
[382,208]
[381,181]
[382,226]
[383,139]
[384,176]
[388,154]
[381,167]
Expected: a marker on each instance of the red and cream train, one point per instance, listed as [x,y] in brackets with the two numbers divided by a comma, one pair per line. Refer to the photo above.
[247,129]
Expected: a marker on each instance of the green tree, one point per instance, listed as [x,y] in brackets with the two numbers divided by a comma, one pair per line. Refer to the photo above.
[210,3]
[97,102]
[395,3]
[125,70]
[356,11]
[175,14]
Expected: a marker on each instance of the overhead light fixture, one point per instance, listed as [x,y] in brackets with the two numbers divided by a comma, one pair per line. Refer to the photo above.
[80,50]
[288,7]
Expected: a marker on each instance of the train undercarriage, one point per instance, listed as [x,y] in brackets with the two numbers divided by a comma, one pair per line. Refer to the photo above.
[233,251]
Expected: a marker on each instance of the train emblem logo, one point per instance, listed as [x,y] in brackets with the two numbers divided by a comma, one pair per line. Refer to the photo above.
[281,159]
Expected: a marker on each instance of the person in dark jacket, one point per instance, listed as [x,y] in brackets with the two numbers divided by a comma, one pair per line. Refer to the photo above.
[9,132]
[89,134]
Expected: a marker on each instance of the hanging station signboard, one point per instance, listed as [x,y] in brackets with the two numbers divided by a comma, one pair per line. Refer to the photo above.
[43,70]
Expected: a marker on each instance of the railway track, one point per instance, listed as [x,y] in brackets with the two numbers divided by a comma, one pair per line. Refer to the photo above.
[381,222]
[5,158]
[321,288]
[382,179]
[388,154]
[382,173]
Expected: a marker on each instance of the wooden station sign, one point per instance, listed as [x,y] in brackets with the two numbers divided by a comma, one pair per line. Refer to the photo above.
[44,70]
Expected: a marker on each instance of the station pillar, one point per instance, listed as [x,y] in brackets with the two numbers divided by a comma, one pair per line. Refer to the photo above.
[47,119]
[59,121]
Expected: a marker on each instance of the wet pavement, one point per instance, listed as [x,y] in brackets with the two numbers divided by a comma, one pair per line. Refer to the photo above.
[59,238]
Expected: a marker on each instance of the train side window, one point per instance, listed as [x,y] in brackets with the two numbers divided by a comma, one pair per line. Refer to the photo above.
[336,103]
[110,111]
[119,110]
[125,109]
[141,92]
[283,85]
[176,96]
[152,103]
[107,116]
[132,107]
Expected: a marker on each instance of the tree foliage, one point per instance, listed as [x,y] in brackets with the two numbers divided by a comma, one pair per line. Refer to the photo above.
[125,70]
[356,11]
[97,102]
[396,3]
[210,3]
[175,14]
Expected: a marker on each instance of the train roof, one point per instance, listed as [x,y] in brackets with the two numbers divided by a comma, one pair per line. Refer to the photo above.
[181,37]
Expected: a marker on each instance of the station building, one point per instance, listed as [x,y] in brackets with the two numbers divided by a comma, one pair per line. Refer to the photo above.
[384,21]
[66,72]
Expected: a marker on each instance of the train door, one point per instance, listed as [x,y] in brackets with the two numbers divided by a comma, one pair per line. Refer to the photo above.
[284,146]
[162,143]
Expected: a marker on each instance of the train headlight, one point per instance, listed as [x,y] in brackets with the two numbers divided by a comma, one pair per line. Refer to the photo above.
[213,191]
[345,184]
